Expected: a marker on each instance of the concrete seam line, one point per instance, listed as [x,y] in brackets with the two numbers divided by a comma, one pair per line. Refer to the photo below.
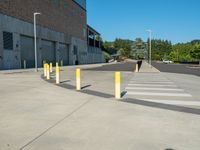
[54,125]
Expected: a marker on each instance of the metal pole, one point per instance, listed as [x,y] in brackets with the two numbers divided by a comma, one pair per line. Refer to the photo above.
[35,41]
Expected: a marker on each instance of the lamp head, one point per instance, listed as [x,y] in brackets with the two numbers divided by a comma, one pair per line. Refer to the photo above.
[37,13]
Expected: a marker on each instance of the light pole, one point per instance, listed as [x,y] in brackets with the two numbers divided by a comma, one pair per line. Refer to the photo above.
[150,34]
[35,40]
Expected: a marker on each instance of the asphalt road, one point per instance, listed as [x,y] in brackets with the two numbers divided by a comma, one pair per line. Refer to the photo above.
[177,68]
[124,66]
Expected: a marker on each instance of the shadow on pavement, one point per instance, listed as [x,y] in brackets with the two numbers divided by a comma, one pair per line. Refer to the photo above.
[131,101]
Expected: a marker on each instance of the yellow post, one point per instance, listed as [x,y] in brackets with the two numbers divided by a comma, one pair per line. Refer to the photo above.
[24,64]
[117,85]
[78,79]
[136,68]
[57,65]
[51,67]
[61,63]
[45,70]
[48,72]
[57,75]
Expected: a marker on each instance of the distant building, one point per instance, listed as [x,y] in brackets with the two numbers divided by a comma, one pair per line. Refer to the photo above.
[62,31]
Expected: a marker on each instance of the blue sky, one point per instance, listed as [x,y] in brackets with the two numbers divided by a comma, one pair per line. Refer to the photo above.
[175,20]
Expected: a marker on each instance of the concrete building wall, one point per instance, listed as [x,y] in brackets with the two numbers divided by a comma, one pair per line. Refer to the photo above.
[19,28]
[61,24]
[81,55]
[63,16]
[1,47]
[95,55]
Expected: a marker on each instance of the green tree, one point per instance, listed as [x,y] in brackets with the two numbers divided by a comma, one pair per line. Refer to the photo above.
[182,52]
[195,53]
[124,47]
[160,49]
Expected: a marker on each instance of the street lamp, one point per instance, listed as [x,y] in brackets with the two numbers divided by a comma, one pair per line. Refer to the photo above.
[35,37]
[150,34]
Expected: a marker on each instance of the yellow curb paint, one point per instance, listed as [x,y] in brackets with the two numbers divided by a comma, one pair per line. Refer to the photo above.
[118,85]
[78,79]
[57,75]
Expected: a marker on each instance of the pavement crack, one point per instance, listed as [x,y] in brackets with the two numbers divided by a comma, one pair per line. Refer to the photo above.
[54,125]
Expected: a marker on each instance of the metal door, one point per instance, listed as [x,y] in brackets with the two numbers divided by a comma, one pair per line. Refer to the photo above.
[48,52]
[64,54]
[27,52]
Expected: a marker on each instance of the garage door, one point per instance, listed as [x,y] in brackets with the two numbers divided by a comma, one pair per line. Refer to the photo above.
[64,54]
[27,52]
[48,51]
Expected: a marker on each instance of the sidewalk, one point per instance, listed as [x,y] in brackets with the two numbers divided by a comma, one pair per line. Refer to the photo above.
[146,68]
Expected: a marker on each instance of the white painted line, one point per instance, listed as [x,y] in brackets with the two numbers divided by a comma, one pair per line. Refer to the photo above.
[159,94]
[175,102]
[152,85]
[150,79]
[152,82]
[156,89]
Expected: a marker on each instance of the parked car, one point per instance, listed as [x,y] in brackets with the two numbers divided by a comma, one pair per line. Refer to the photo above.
[167,61]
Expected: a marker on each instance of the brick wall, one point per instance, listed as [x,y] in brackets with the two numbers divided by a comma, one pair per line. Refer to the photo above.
[59,15]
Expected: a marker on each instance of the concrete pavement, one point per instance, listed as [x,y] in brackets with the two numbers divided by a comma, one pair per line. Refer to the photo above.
[35,114]
[146,68]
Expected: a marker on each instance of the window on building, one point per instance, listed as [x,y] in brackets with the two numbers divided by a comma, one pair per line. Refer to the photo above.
[7,40]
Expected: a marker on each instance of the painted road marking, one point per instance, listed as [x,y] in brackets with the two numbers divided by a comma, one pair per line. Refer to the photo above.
[152,85]
[152,82]
[153,89]
[159,94]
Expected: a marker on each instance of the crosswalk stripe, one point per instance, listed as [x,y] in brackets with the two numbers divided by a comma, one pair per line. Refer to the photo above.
[159,94]
[152,85]
[136,82]
[154,89]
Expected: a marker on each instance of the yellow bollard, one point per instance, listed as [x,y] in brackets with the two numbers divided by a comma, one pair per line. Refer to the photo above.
[118,85]
[78,79]
[48,72]
[57,75]
[24,64]
[51,67]
[136,68]
[45,70]
[57,65]
[61,63]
